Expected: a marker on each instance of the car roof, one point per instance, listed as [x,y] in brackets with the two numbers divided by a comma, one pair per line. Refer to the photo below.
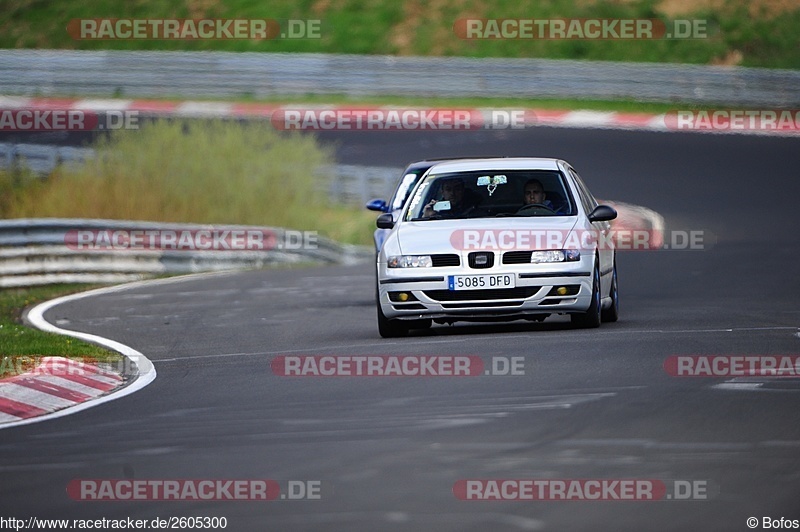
[499,163]
[419,165]
[427,163]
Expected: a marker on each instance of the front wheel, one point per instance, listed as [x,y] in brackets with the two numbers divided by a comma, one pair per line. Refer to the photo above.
[611,313]
[591,318]
[390,328]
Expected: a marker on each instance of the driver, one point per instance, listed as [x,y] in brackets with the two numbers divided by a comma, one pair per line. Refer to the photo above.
[534,194]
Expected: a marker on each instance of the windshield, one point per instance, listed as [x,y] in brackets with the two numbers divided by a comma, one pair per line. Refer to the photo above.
[494,193]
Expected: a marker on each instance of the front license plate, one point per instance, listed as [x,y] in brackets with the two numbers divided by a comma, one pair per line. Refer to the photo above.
[480,282]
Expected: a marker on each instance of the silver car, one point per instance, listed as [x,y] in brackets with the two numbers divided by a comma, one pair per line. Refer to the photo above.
[497,239]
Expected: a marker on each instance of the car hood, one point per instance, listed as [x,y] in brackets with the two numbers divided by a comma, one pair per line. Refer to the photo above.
[452,236]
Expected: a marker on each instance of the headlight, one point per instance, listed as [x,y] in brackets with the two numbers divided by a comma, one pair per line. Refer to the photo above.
[410,261]
[556,255]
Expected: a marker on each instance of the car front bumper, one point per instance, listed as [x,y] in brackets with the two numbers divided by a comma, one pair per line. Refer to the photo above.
[423,292]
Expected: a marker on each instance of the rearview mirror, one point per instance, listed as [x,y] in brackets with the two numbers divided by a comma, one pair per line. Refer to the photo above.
[602,213]
[385,221]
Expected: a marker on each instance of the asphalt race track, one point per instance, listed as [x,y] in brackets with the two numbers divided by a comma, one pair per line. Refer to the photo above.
[593,404]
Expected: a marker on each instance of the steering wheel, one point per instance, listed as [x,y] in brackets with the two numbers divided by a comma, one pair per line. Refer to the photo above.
[531,206]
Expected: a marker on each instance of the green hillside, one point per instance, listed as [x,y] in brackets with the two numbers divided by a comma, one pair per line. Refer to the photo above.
[763,33]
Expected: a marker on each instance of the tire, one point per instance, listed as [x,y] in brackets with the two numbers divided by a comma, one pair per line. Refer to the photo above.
[591,318]
[611,314]
[390,328]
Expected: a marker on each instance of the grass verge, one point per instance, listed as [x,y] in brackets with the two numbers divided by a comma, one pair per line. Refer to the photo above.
[569,104]
[20,345]
[200,171]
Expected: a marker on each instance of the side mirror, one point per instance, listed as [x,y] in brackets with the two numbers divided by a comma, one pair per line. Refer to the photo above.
[385,221]
[602,213]
[376,205]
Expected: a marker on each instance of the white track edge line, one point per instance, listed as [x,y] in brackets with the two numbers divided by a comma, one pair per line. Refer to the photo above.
[147,372]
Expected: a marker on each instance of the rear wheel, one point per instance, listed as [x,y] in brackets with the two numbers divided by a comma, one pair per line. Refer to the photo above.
[611,313]
[591,318]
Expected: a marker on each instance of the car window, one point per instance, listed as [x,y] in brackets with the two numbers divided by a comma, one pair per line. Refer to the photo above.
[589,203]
[404,188]
[490,193]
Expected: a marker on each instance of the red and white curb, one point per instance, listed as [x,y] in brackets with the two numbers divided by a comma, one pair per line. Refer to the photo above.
[55,383]
[53,398]
[580,119]
[145,374]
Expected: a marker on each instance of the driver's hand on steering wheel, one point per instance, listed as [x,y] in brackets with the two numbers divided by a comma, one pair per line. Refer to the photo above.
[531,206]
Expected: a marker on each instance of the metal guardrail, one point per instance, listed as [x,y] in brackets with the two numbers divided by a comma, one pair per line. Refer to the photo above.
[40,158]
[37,251]
[356,185]
[260,75]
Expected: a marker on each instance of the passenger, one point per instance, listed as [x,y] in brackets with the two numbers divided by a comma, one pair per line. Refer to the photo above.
[461,203]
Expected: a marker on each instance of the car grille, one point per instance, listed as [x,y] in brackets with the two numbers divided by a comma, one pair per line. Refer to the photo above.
[481,259]
[517,257]
[482,295]
[445,259]
[408,306]
[487,304]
